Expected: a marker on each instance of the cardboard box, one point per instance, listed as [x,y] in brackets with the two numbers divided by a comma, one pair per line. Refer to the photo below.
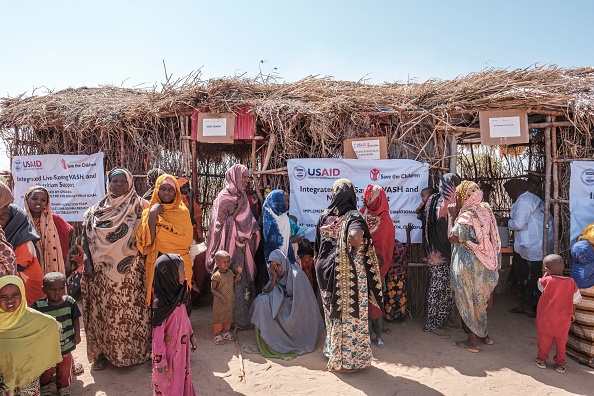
[503,127]
[215,127]
[366,148]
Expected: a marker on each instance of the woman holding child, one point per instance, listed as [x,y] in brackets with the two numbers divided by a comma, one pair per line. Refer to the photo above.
[348,275]
[116,318]
[475,261]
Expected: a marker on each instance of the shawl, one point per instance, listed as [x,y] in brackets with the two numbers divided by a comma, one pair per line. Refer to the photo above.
[173,233]
[20,229]
[29,341]
[288,317]
[277,226]
[50,248]
[587,234]
[479,216]
[377,215]
[169,292]
[225,232]
[7,259]
[335,272]
[109,232]
[582,267]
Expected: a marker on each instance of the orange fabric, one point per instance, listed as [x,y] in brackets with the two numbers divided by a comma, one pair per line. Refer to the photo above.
[219,327]
[32,276]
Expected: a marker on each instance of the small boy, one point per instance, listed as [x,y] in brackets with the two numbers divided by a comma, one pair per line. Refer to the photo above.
[221,284]
[555,311]
[305,252]
[64,309]
[425,194]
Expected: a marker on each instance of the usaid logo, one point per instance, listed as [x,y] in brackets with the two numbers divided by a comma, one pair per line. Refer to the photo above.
[26,165]
[587,177]
[299,173]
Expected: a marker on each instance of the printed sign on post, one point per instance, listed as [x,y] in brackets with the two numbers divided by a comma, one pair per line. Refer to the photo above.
[502,127]
[367,149]
[214,127]
[75,182]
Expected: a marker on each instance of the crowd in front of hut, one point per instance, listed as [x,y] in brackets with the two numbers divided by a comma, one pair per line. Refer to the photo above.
[138,268]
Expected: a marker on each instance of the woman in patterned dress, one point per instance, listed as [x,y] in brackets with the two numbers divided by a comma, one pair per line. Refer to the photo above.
[116,318]
[476,260]
[348,276]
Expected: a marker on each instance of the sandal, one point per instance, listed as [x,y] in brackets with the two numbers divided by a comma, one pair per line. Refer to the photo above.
[218,339]
[379,342]
[252,349]
[99,364]
[228,336]
[63,392]
[560,368]
[387,330]
[464,345]
[540,363]
[77,369]
[45,390]
[487,340]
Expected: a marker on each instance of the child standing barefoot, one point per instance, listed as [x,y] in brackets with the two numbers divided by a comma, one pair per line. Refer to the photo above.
[173,338]
[24,332]
[63,308]
[222,282]
[555,311]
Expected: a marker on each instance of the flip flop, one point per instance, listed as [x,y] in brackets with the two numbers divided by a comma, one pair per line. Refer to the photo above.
[465,346]
[440,333]
[77,369]
[487,340]
[560,368]
[99,364]
[540,363]
[252,349]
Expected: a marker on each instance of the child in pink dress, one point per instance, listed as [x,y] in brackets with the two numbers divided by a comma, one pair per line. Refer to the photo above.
[173,338]
[555,311]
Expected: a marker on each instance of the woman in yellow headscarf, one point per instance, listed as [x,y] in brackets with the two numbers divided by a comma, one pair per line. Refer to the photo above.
[29,341]
[165,227]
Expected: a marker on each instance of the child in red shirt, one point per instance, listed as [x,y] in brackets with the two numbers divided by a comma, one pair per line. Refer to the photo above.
[555,312]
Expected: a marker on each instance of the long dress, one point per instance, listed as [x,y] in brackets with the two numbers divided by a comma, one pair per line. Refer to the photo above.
[395,294]
[172,348]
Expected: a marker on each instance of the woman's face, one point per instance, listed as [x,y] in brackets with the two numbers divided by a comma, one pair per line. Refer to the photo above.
[37,201]
[118,185]
[5,219]
[276,267]
[471,189]
[245,178]
[10,298]
[166,193]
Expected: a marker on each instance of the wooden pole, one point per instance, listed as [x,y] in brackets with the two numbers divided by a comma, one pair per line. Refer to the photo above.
[556,218]
[453,153]
[547,189]
[256,186]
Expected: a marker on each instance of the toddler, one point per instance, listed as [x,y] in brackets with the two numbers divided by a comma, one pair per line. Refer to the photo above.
[64,309]
[555,311]
[425,194]
[222,282]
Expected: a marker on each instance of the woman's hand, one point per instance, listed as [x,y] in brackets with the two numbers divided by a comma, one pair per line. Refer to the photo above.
[453,209]
[157,209]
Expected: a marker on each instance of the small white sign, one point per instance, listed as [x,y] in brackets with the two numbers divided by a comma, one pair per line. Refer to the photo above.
[214,127]
[367,149]
[503,127]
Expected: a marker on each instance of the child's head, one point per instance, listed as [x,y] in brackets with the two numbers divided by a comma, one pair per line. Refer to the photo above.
[222,260]
[54,287]
[554,264]
[304,247]
[426,193]
[11,293]
[170,272]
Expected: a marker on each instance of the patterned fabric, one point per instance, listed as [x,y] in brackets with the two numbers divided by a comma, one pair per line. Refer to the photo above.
[171,350]
[30,389]
[472,281]
[64,314]
[307,266]
[347,344]
[395,294]
[439,296]
[277,226]
[221,312]
[582,265]
[580,342]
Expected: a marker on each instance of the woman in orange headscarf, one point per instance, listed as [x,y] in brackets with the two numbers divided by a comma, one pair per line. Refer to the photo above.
[165,227]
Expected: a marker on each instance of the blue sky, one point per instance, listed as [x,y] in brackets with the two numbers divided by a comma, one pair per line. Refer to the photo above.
[60,44]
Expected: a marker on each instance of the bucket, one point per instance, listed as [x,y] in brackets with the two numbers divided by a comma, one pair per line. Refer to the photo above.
[504,235]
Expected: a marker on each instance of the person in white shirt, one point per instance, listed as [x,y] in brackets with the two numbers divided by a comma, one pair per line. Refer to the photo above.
[526,221]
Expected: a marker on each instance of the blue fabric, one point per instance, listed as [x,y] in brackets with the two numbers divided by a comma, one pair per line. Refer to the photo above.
[582,267]
[273,238]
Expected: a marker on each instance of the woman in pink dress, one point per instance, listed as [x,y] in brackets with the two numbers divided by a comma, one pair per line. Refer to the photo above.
[173,338]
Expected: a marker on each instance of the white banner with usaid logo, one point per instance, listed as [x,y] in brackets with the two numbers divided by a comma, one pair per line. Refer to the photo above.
[75,182]
[581,197]
[402,180]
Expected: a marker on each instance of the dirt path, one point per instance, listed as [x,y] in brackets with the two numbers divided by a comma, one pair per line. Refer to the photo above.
[412,363]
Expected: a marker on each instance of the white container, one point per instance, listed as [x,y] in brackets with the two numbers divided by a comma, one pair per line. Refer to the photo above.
[504,235]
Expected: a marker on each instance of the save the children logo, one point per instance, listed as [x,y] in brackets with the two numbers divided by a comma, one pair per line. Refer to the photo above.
[20,165]
[587,176]
[299,173]
[374,174]
[64,164]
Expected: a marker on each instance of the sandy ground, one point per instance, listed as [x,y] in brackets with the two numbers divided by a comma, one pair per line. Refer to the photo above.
[412,363]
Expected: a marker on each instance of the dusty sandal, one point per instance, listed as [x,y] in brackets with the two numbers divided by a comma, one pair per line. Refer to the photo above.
[99,364]
[440,333]
[63,392]
[540,363]
[251,349]
[464,345]
[228,336]
[77,369]
[379,342]
[560,368]
[218,339]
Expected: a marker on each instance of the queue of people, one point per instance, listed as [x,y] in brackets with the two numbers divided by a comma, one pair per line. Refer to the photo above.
[138,276]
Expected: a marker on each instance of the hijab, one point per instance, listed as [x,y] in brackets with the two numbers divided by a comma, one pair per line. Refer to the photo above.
[277,225]
[169,292]
[29,341]
[20,229]
[582,267]
[376,213]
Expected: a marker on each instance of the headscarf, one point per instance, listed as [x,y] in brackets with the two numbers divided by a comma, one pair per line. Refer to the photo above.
[587,234]
[173,233]
[225,232]
[110,231]
[6,197]
[582,267]
[447,191]
[169,292]
[479,216]
[277,225]
[377,215]
[20,229]
[7,259]
[151,179]
[334,270]
[50,248]
[29,341]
